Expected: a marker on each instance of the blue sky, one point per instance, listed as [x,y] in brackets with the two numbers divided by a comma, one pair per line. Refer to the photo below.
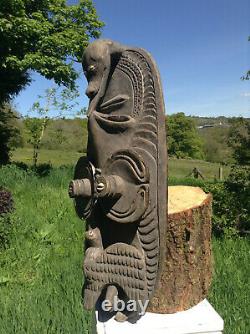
[200,47]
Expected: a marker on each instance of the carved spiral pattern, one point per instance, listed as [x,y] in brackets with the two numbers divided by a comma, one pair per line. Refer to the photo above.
[145,138]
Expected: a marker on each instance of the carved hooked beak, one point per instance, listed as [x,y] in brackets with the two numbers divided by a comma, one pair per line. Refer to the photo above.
[112,50]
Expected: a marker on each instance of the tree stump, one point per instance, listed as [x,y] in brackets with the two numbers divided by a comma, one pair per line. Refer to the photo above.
[186,271]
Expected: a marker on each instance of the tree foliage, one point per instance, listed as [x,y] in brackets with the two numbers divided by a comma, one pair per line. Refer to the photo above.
[239,139]
[231,205]
[216,148]
[9,132]
[183,138]
[247,75]
[57,100]
[46,36]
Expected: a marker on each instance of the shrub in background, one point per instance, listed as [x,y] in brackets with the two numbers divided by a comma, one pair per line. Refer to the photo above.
[43,169]
[231,201]
[231,205]
[6,201]
[6,207]
[237,186]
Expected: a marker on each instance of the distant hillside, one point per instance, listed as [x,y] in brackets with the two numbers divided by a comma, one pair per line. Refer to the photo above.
[71,135]
[214,121]
[214,133]
[61,134]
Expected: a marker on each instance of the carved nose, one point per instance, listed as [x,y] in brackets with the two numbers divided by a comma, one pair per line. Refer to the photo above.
[91,92]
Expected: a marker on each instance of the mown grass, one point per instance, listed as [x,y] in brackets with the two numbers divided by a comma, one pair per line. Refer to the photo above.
[179,168]
[55,157]
[41,275]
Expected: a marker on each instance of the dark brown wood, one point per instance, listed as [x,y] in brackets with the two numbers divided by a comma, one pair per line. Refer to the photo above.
[187,272]
[120,188]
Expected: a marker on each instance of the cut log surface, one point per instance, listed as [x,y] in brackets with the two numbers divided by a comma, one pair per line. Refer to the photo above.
[186,271]
[181,198]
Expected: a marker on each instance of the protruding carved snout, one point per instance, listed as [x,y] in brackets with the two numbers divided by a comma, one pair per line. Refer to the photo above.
[109,186]
[80,187]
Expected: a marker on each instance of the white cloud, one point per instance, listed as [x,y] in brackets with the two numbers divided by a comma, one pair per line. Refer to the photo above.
[246,94]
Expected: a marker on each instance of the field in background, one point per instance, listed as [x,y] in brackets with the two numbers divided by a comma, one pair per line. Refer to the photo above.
[177,167]
[41,275]
[55,157]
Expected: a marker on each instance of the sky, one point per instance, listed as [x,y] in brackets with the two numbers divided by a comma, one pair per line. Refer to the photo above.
[200,46]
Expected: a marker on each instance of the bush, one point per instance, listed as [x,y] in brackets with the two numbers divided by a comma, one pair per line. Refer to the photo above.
[238,186]
[9,132]
[43,169]
[39,170]
[6,201]
[223,222]
[231,205]
[21,165]
[6,207]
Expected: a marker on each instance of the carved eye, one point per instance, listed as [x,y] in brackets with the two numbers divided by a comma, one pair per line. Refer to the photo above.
[91,68]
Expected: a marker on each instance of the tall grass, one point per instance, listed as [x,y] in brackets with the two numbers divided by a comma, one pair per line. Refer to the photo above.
[229,293]
[41,274]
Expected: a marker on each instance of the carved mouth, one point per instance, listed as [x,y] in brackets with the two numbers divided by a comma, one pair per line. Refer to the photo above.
[114,123]
[118,118]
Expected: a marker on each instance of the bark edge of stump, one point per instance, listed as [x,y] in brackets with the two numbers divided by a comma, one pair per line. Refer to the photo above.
[187,270]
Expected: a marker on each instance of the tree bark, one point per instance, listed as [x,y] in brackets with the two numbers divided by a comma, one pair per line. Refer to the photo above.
[186,272]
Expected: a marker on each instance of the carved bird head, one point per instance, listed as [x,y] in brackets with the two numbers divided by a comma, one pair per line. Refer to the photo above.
[97,62]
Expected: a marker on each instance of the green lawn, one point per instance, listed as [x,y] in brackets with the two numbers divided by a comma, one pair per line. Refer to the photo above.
[177,167]
[55,157]
[229,293]
[41,275]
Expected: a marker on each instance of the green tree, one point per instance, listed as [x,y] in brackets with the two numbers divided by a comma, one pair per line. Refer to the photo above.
[9,132]
[47,36]
[36,128]
[247,76]
[239,139]
[54,100]
[183,138]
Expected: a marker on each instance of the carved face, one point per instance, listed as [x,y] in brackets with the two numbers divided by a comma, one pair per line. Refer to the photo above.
[96,59]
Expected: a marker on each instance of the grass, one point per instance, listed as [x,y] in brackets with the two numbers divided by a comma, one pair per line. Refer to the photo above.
[55,157]
[229,293]
[179,168]
[41,275]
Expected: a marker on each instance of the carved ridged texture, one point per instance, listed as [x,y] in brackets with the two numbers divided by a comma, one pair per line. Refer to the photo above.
[119,264]
[145,138]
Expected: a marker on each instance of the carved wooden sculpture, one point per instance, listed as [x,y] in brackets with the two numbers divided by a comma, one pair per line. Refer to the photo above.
[120,188]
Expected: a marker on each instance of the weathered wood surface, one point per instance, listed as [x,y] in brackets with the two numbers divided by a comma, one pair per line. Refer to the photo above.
[186,271]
